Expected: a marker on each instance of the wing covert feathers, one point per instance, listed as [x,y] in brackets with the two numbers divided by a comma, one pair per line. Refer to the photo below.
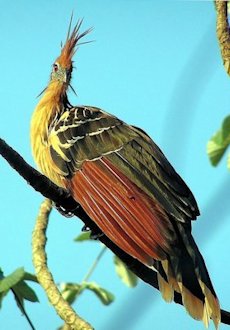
[87,133]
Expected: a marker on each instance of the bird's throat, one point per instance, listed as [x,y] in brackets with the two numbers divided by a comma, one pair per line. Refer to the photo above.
[51,105]
[48,110]
[55,93]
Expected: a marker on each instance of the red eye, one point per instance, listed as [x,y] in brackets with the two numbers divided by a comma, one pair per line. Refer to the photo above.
[55,67]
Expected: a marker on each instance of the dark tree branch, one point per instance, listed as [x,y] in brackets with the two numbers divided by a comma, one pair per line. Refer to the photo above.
[61,197]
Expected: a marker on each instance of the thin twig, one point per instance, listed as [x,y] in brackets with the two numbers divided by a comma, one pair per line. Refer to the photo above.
[94,264]
[90,271]
[45,278]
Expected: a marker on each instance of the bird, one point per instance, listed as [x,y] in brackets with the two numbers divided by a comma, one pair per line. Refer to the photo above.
[124,183]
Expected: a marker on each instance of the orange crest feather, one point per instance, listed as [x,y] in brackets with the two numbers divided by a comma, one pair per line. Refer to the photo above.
[72,40]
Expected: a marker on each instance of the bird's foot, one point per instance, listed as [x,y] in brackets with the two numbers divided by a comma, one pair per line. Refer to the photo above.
[63,211]
[95,235]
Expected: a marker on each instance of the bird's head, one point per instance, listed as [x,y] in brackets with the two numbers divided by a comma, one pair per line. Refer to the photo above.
[63,66]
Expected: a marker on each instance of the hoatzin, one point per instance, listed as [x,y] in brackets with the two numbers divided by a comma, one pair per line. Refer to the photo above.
[125,184]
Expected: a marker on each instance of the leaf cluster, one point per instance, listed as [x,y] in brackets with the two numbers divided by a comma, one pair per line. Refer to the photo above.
[71,291]
[16,283]
[219,143]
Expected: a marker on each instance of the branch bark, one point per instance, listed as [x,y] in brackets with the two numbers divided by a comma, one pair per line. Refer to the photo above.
[45,278]
[48,189]
[223,33]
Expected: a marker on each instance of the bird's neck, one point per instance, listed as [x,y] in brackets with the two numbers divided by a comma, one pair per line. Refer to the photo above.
[50,107]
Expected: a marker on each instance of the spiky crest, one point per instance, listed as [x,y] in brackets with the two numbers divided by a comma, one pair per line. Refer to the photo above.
[72,40]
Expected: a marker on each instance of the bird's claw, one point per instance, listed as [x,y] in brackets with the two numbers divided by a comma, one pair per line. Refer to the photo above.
[85,228]
[63,211]
[95,235]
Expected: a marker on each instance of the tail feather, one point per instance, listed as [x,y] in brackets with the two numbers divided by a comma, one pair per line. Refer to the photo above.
[188,275]
[198,309]
[213,306]
[194,306]
[211,301]
[166,289]
[166,264]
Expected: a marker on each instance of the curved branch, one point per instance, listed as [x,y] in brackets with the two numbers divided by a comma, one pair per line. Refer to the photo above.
[45,278]
[223,33]
[61,197]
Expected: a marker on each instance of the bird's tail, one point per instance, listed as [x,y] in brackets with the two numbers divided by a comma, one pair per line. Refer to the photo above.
[188,275]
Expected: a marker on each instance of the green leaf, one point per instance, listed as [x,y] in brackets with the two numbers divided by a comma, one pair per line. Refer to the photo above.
[2,296]
[104,295]
[70,291]
[1,274]
[219,143]
[30,277]
[16,282]
[226,130]
[83,237]
[125,274]
[24,291]
[215,150]
[19,302]
[9,281]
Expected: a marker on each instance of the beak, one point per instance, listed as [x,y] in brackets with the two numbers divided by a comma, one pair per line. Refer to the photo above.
[67,75]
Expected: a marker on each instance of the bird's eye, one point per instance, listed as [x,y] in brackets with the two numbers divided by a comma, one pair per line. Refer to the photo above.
[55,67]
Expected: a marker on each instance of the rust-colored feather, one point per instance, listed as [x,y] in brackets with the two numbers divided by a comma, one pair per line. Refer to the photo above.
[127,216]
[83,191]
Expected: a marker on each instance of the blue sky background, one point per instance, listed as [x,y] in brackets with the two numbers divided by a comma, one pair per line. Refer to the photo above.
[155,64]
